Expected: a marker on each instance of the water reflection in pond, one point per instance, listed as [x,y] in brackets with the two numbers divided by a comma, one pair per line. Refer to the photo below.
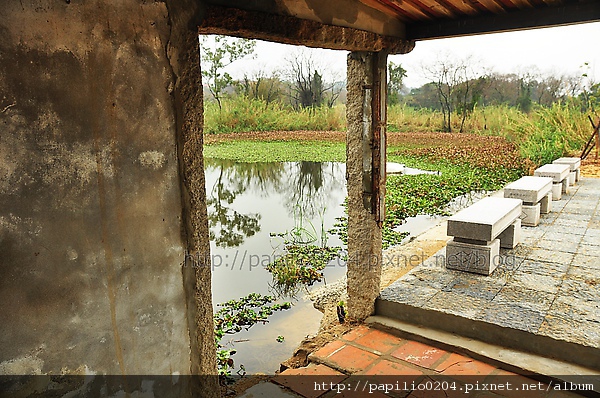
[248,201]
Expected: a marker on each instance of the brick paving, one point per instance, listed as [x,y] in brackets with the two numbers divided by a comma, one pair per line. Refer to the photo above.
[365,352]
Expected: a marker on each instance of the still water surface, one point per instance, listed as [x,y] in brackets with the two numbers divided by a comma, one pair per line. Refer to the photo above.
[246,202]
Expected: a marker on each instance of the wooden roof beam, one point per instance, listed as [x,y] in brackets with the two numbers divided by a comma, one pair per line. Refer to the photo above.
[291,30]
[565,14]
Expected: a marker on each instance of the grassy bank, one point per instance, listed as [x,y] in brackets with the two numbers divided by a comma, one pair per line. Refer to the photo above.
[277,151]
[240,114]
[540,135]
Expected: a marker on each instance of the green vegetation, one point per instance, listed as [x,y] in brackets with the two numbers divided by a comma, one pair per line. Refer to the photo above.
[509,124]
[541,135]
[218,53]
[300,261]
[235,315]
[300,266]
[466,163]
[243,114]
[277,151]
[389,237]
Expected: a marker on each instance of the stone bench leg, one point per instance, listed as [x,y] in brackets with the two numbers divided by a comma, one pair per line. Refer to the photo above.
[565,186]
[546,204]
[480,258]
[511,236]
[557,191]
[572,177]
[530,214]
[577,175]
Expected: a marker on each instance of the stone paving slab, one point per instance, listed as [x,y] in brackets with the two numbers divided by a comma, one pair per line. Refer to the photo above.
[544,297]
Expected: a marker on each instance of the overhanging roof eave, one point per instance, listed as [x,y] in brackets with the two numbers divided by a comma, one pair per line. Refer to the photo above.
[567,14]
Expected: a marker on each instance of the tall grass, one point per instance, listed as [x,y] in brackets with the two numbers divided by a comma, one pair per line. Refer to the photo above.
[490,120]
[406,119]
[241,114]
[541,135]
[549,133]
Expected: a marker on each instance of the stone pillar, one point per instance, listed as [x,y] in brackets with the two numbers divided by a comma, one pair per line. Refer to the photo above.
[365,174]
[184,56]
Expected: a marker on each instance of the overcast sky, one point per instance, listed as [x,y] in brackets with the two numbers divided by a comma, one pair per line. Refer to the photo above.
[560,50]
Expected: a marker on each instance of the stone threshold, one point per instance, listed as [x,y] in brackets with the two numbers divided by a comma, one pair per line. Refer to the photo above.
[520,362]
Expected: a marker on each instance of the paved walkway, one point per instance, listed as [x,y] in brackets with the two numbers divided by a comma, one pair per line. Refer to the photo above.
[544,297]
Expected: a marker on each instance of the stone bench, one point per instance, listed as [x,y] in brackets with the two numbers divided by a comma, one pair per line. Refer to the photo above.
[479,231]
[575,164]
[536,194]
[560,176]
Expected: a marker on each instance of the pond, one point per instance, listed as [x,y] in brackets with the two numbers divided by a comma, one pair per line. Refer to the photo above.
[246,203]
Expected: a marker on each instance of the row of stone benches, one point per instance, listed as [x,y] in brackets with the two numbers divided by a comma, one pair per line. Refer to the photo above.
[481,229]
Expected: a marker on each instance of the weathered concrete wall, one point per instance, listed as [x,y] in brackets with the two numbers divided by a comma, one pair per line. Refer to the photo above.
[91,242]
[365,174]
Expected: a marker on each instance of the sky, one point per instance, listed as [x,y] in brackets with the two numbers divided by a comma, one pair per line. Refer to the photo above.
[559,50]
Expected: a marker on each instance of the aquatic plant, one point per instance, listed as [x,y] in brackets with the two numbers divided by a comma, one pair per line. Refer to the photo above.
[299,262]
[389,237]
[237,315]
[300,266]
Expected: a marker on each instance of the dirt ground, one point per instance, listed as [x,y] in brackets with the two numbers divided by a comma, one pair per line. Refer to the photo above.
[591,167]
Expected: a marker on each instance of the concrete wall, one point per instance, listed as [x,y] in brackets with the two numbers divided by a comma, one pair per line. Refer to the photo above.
[91,238]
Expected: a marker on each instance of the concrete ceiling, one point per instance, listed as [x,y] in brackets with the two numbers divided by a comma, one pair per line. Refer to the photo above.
[427,19]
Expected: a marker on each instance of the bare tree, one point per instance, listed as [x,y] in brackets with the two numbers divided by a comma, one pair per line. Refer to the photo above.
[307,86]
[455,81]
[555,89]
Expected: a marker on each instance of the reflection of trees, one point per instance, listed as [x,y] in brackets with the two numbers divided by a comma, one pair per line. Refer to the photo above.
[262,178]
[306,187]
[228,228]
[310,188]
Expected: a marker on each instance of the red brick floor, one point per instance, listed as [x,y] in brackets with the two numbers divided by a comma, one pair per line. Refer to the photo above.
[399,367]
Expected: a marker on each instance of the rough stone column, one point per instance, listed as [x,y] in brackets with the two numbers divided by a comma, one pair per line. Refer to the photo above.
[184,56]
[365,174]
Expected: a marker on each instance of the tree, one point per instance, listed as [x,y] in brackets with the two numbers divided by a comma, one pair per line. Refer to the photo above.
[551,89]
[307,87]
[425,96]
[216,55]
[262,87]
[453,81]
[590,92]
[468,94]
[395,82]
[531,88]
